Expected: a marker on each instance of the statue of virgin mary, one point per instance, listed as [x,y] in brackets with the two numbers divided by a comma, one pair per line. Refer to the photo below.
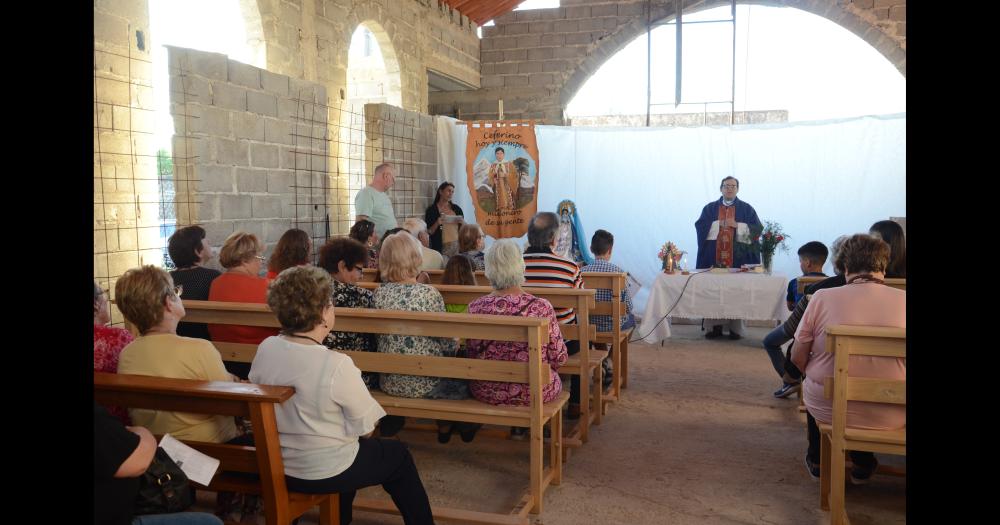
[570,240]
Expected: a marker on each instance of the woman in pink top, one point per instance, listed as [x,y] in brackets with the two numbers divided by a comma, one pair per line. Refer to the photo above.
[241,283]
[505,271]
[863,301]
[108,344]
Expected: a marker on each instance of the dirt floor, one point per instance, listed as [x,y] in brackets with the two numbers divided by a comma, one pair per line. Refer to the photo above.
[697,439]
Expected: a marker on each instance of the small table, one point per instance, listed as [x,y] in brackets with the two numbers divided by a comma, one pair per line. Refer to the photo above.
[745,295]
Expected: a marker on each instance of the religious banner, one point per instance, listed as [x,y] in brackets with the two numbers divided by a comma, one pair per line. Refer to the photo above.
[501,163]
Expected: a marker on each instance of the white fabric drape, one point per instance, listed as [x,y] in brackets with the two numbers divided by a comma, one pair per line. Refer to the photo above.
[647,186]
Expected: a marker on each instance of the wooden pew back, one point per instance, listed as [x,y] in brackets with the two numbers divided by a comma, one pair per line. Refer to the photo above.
[846,341]
[255,402]
[804,281]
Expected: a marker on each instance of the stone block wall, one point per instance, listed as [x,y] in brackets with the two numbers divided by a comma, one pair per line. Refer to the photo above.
[408,140]
[309,39]
[250,148]
[536,60]
[126,191]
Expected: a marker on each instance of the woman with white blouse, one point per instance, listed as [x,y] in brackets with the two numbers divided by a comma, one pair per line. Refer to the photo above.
[325,427]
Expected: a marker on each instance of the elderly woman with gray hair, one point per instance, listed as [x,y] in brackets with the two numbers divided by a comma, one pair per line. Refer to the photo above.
[505,271]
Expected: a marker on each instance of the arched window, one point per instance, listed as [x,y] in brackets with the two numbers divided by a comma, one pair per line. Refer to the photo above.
[791,65]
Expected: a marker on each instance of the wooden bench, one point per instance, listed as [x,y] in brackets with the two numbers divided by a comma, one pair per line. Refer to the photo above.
[845,341]
[582,331]
[503,328]
[804,281]
[255,402]
[617,338]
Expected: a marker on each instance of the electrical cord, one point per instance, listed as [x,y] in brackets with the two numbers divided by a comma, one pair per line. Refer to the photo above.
[671,307]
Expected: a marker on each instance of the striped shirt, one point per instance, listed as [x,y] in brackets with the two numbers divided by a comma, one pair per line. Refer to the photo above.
[547,270]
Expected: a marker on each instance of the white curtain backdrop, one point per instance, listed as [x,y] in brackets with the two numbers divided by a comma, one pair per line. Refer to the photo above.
[647,186]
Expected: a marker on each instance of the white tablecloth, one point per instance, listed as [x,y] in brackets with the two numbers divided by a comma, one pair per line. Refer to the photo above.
[748,296]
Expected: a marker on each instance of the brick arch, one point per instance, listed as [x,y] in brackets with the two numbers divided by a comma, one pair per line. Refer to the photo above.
[388,50]
[376,20]
[852,19]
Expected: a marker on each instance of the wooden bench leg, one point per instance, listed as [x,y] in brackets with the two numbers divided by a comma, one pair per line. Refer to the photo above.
[537,468]
[329,510]
[555,444]
[824,472]
[597,389]
[584,402]
[838,468]
[616,372]
[624,362]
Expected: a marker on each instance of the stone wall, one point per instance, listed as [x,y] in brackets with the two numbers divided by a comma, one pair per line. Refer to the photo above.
[408,140]
[250,148]
[309,39]
[125,186]
[536,60]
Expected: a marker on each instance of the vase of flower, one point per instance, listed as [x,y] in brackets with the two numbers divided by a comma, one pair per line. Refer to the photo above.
[768,238]
[768,259]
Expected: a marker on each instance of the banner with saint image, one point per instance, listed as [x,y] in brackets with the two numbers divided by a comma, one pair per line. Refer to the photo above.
[502,169]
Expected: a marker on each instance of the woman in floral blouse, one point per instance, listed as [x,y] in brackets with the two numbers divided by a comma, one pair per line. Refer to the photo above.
[505,271]
[399,264]
[108,344]
[345,258]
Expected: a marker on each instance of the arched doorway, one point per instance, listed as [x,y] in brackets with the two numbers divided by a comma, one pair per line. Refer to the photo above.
[373,76]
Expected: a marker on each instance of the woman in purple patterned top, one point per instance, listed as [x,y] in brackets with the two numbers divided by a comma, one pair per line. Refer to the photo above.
[505,271]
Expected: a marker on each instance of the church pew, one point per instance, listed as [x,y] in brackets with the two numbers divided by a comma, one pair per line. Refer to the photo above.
[583,331]
[807,280]
[534,372]
[230,399]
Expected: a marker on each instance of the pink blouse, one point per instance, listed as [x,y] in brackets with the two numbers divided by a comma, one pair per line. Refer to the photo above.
[864,304]
[553,352]
[108,345]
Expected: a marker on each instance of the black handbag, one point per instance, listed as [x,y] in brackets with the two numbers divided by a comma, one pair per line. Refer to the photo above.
[163,488]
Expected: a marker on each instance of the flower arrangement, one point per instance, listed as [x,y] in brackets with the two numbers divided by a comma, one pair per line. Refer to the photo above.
[769,238]
[671,255]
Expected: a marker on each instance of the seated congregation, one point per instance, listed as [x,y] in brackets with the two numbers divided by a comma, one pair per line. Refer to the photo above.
[335,436]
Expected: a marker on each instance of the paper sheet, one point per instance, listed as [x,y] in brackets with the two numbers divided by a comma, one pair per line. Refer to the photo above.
[196,466]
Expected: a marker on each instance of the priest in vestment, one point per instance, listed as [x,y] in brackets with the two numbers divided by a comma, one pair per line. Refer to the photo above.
[724,231]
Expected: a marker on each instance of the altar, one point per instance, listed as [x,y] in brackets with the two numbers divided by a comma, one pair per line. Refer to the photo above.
[708,295]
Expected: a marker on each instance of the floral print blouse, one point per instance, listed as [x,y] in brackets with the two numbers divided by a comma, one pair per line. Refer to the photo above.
[553,352]
[351,296]
[108,345]
[415,298]
[478,259]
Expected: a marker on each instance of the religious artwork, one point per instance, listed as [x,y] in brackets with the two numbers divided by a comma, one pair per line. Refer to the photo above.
[502,168]
[571,242]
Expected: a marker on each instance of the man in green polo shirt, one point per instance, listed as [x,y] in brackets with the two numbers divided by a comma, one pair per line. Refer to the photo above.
[373,204]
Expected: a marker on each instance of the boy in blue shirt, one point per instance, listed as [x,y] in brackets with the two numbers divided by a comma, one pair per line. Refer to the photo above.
[812,257]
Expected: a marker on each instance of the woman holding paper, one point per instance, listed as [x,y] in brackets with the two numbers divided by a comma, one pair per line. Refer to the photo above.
[325,427]
[443,219]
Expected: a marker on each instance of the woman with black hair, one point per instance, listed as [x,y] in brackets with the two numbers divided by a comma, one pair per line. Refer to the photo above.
[443,220]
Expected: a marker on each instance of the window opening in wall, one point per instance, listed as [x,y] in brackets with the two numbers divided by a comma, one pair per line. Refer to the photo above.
[829,73]
[371,79]
[526,5]
[220,27]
